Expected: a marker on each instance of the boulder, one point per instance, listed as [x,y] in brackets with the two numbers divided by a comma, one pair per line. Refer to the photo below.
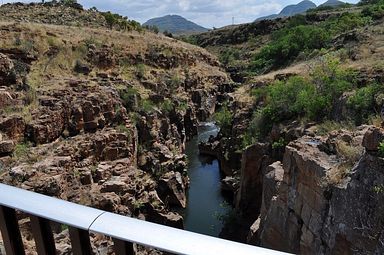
[372,139]
[171,189]
[47,126]
[230,184]
[6,147]
[116,185]
[6,99]
[170,219]
[13,126]
[7,72]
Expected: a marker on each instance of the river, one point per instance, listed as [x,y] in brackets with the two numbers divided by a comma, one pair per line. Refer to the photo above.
[205,200]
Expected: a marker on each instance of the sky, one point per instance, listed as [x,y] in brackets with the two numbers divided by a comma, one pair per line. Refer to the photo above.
[207,13]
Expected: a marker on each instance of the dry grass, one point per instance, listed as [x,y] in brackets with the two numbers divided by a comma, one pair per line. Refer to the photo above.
[328,126]
[349,155]
[375,121]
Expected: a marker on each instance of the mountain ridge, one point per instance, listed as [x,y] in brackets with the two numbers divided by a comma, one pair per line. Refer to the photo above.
[175,24]
[291,10]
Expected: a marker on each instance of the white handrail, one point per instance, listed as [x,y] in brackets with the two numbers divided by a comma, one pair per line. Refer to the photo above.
[121,227]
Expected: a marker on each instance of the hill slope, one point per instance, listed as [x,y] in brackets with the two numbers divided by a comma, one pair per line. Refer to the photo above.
[332,3]
[292,10]
[175,24]
[103,97]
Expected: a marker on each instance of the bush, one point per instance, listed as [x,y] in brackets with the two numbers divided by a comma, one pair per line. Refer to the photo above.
[228,56]
[129,98]
[21,150]
[111,19]
[166,106]
[297,37]
[140,71]
[122,23]
[381,149]
[287,44]
[362,102]
[375,11]
[311,97]
[147,105]
[223,119]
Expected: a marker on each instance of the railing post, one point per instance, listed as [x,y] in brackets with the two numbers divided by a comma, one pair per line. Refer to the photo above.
[10,232]
[42,233]
[123,248]
[81,244]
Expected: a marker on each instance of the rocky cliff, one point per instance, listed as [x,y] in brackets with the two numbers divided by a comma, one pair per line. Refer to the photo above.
[305,209]
[100,117]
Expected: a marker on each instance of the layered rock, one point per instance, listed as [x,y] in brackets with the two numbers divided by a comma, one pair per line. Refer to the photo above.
[303,213]
[7,72]
[254,162]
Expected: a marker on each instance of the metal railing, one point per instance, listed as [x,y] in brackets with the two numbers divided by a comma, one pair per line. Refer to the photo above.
[82,220]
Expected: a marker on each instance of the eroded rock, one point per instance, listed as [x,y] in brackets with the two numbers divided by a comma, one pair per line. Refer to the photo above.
[171,189]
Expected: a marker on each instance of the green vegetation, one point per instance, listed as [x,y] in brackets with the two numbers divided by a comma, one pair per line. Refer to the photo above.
[223,119]
[311,98]
[381,149]
[21,150]
[228,56]
[140,71]
[153,29]
[363,102]
[300,38]
[281,143]
[378,189]
[114,20]
[129,98]
[166,106]
[174,81]
[287,44]
[375,11]
[229,217]
[147,105]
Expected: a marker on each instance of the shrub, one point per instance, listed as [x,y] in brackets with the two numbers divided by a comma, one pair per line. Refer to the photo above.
[140,71]
[311,97]
[362,102]
[166,106]
[297,37]
[129,98]
[168,34]
[21,150]
[228,56]
[174,81]
[147,105]
[223,119]
[281,143]
[111,19]
[381,149]
[287,44]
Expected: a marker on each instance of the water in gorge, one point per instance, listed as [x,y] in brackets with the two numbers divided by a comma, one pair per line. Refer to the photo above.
[205,200]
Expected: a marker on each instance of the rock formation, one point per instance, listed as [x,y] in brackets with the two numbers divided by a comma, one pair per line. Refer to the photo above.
[302,212]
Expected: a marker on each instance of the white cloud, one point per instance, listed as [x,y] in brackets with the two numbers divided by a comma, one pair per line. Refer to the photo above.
[208,13]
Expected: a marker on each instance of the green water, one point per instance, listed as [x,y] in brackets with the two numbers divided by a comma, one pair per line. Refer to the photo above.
[205,200]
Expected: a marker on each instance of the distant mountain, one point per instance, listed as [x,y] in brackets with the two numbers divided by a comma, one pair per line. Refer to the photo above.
[292,10]
[332,3]
[176,25]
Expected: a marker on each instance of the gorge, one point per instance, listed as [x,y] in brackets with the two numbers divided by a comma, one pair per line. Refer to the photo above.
[115,116]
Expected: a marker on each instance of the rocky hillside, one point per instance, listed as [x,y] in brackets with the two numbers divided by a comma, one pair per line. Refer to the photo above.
[98,116]
[176,25]
[301,141]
